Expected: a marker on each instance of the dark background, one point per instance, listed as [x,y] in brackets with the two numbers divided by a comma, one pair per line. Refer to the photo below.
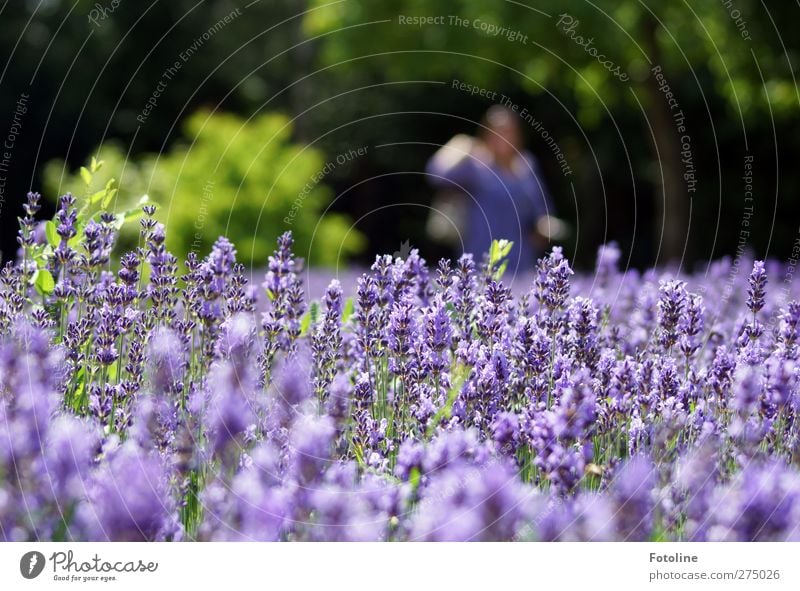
[88,82]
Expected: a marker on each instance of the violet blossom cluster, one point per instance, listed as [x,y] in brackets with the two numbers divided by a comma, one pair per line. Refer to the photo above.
[142,400]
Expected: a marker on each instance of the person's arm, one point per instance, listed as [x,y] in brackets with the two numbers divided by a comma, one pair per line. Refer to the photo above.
[452,163]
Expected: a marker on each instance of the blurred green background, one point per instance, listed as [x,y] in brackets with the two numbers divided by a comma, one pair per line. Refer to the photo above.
[247,118]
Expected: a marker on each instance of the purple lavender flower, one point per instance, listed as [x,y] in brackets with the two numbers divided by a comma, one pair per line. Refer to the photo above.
[691,325]
[505,430]
[589,518]
[464,288]
[281,323]
[27,232]
[551,286]
[231,411]
[130,500]
[162,289]
[789,325]
[166,361]
[254,508]
[345,515]
[134,407]
[470,503]
[757,287]
[310,442]
[696,476]
[583,322]
[66,216]
[327,340]
[409,458]
[632,494]
[671,304]
[761,504]
[606,267]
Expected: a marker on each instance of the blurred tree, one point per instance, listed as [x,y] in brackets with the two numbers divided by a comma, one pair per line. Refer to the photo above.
[244,180]
[90,80]
[351,80]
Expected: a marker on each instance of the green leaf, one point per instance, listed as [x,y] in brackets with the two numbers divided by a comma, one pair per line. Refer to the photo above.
[451,310]
[460,374]
[96,164]
[414,477]
[347,311]
[52,236]
[86,176]
[499,250]
[44,282]
[96,197]
[103,196]
[498,274]
[359,454]
[76,240]
[305,324]
[111,372]
[40,253]
[80,389]
[126,216]
[132,213]
[110,193]
[309,319]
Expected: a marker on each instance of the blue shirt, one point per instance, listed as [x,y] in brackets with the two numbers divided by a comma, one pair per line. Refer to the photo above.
[502,203]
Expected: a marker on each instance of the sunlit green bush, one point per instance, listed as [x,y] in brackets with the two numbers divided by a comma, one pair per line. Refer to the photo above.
[228,176]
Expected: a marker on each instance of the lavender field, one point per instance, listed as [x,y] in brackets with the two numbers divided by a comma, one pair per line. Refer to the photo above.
[145,400]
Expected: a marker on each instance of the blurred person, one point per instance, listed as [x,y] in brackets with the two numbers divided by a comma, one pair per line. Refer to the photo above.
[500,190]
